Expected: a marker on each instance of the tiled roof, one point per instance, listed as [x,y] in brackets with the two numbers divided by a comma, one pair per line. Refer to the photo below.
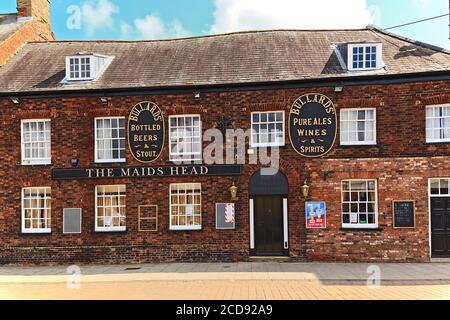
[237,58]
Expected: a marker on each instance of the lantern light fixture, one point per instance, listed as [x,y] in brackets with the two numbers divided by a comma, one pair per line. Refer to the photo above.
[305,189]
[234,191]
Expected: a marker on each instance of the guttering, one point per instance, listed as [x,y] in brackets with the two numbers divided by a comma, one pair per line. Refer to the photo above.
[232,87]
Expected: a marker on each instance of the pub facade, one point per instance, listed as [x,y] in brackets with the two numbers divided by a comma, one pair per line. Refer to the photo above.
[309,145]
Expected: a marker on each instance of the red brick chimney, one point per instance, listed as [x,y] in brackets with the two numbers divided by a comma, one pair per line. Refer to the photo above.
[39,11]
[34,8]
[35,18]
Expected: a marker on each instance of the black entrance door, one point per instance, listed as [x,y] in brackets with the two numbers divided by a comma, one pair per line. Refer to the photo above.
[268,215]
[440,227]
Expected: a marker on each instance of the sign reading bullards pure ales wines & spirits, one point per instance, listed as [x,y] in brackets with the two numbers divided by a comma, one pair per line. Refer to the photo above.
[146,132]
[313,125]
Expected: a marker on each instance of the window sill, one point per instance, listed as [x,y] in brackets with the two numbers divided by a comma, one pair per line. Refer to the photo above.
[111,231]
[35,233]
[47,164]
[438,142]
[362,229]
[368,145]
[185,229]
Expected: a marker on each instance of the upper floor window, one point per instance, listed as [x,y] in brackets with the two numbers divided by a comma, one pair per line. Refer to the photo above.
[110,139]
[358,126]
[86,66]
[364,56]
[185,138]
[359,204]
[268,129]
[438,124]
[80,68]
[36,142]
[110,208]
[36,210]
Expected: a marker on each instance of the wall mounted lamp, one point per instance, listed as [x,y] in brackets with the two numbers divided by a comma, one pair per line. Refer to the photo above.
[305,189]
[234,191]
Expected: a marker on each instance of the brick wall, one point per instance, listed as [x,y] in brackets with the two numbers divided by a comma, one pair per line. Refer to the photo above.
[401,162]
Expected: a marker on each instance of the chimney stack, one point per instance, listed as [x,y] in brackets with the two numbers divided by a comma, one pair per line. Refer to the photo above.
[37,9]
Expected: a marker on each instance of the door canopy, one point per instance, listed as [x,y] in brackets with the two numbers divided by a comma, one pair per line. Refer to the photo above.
[268,182]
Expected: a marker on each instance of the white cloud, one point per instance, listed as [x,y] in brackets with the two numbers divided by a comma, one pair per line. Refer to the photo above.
[97,15]
[238,15]
[125,29]
[152,27]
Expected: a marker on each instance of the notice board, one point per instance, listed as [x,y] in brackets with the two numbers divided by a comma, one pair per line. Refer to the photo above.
[404,213]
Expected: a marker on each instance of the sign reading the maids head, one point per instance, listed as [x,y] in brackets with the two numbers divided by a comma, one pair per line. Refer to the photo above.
[146,132]
[312,125]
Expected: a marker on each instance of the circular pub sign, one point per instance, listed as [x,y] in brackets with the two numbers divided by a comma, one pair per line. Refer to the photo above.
[313,125]
[146,132]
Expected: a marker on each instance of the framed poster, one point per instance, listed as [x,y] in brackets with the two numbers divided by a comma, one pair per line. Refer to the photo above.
[316,215]
[225,216]
[404,214]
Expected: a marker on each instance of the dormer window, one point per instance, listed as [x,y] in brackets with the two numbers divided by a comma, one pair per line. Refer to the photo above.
[364,56]
[86,67]
[79,68]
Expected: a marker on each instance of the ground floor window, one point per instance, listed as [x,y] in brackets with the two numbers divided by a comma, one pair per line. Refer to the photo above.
[110,208]
[36,210]
[359,204]
[185,206]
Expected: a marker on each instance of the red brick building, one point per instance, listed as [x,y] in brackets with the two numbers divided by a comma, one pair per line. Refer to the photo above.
[90,170]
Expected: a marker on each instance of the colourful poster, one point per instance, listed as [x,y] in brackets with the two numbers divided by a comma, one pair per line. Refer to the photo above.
[316,215]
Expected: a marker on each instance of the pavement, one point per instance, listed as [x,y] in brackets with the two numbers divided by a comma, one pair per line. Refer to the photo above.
[229,281]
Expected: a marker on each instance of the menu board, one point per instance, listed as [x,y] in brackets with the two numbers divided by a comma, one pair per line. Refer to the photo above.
[404,214]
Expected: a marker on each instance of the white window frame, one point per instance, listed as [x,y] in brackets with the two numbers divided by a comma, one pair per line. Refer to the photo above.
[185,157]
[185,227]
[359,226]
[379,54]
[96,139]
[429,140]
[359,143]
[440,195]
[35,161]
[35,230]
[270,144]
[79,57]
[109,229]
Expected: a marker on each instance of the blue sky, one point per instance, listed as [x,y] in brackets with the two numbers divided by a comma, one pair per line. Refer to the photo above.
[158,19]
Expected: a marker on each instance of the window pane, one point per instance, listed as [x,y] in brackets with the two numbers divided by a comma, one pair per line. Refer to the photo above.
[359,203]
[36,140]
[36,208]
[186,204]
[435,189]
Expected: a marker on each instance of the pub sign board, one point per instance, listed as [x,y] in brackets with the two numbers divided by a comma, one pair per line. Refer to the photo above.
[146,172]
[146,132]
[313,125]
